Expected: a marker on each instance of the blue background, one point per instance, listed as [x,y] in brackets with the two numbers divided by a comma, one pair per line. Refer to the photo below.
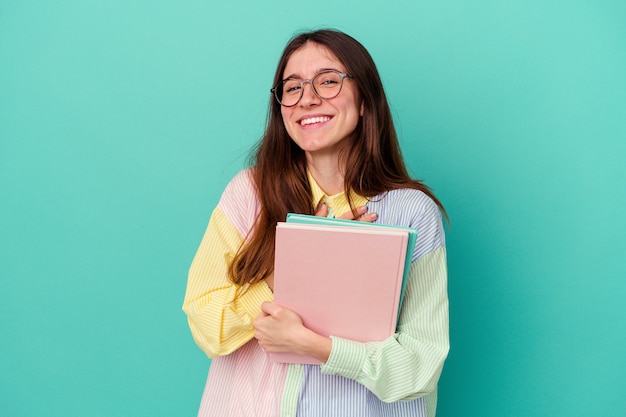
[121,121]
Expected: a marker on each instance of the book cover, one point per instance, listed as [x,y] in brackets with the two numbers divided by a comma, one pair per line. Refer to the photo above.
[343,281]
[410,247]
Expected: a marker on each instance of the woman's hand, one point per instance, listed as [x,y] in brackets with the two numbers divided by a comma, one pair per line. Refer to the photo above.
[361,215]
[278,329]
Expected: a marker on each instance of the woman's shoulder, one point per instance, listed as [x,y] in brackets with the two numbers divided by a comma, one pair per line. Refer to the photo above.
[241,185]
[405,205]
[239,201]
[242,181]
[411,208]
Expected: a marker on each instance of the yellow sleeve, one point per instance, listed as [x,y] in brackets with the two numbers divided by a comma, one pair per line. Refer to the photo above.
[219,313]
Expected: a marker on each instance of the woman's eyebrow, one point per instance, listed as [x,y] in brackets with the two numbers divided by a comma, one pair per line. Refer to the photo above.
[298,77]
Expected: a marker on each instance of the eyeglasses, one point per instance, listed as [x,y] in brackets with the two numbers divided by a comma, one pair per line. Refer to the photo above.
[327,84]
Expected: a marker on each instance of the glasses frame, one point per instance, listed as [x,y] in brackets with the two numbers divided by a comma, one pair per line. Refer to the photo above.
[342,76]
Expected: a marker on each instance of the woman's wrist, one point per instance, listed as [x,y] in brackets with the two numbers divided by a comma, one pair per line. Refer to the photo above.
[316,346]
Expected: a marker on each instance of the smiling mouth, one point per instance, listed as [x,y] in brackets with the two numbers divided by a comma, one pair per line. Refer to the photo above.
[313,120]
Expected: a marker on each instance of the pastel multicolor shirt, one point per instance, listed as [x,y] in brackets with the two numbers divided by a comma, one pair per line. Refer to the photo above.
[395,377]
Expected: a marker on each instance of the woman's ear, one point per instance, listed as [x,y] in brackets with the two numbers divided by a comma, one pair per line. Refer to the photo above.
[362,109]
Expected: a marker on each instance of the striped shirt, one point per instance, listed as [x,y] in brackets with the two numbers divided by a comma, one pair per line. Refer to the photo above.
[394,377]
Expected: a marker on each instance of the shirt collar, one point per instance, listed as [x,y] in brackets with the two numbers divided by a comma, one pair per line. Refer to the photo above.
[338,203]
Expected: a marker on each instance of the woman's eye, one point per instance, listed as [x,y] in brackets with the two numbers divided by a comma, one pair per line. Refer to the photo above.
[327,81]
[291,88]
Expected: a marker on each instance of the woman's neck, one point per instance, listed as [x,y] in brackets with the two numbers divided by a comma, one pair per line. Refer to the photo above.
[327,173]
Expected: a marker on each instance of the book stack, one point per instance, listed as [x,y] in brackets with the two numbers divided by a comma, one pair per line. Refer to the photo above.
[344,278]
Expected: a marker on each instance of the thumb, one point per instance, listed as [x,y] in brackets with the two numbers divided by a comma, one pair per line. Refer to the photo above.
[269,308]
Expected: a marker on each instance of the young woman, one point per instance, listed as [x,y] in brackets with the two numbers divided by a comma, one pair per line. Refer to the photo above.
[330,149]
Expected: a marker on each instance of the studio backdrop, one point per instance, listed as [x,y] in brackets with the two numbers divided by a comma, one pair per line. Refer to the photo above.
[121,122]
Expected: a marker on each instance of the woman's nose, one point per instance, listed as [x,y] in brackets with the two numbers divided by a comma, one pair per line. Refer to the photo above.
[308,95]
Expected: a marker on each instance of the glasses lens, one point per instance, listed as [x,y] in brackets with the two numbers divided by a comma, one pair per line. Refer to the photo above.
[288,92]
[327,84]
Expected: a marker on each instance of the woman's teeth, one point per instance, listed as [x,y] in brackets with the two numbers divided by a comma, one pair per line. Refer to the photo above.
[312,120]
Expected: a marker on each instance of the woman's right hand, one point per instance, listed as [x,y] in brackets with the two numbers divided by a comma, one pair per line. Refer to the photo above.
[361,215]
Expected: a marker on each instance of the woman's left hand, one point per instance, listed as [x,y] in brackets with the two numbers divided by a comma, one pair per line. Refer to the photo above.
[278,329]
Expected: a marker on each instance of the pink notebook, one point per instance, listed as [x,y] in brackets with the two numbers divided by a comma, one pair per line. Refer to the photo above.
[342,281]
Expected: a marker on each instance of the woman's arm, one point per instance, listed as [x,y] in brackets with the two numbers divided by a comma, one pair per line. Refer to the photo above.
[407,365]
[220,313]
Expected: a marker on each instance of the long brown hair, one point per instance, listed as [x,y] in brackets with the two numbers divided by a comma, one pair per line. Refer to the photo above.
[373,164]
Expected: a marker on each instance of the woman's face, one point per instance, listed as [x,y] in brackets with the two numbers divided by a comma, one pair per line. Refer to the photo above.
[320,126]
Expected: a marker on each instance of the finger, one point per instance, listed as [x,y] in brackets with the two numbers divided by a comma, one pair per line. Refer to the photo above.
[368,217]
[322,210]
[358,212]
[258,320]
